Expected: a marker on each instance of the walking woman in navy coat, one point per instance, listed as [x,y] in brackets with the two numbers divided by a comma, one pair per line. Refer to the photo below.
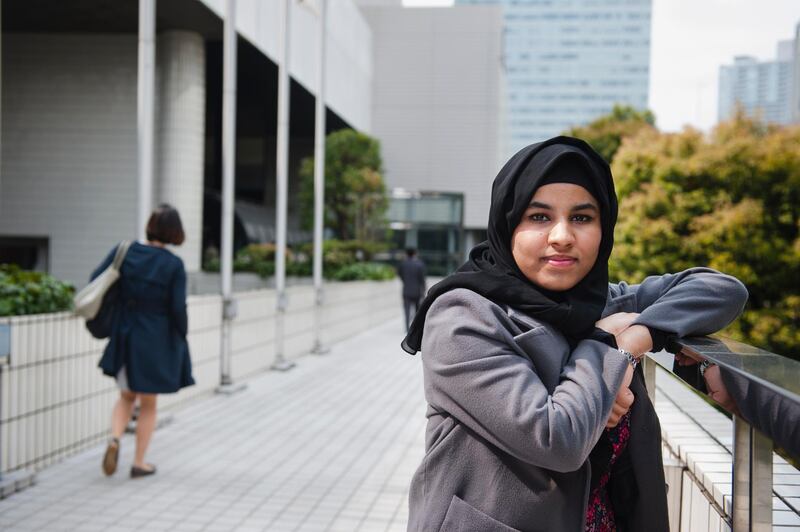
[147,352]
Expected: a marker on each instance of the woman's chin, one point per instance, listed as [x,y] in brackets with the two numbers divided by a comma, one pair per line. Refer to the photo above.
[555,283]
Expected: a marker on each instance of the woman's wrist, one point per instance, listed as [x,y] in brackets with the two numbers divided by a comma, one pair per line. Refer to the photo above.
[635,340]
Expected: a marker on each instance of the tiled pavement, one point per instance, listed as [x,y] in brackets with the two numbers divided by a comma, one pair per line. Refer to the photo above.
[328,446]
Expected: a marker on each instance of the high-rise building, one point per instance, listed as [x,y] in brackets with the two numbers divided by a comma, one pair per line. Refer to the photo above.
[570,61]
[795,102]
[761,88]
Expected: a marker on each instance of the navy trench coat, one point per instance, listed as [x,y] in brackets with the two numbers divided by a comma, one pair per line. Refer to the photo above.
[149,333]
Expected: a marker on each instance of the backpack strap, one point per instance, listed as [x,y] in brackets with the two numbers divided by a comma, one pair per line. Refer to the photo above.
[122,250]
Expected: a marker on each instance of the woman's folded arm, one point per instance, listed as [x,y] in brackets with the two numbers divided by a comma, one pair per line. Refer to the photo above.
[694,302]
[473,373]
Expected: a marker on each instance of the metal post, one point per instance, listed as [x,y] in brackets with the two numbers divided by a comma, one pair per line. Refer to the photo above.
[650,377]
[282,179]
[760,482]
[319,184]
[741,475]
[1,95]
[228,191]
[752,478]
[145,110]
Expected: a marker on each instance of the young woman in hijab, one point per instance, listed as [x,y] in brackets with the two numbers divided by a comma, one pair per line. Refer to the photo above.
[538,419]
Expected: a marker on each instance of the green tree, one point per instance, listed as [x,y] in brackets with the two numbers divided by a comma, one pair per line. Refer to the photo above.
[729,200]
[606,133]
[355,194]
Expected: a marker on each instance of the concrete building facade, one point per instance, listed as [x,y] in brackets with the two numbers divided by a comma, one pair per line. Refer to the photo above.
[68,167]
[437,108]
[569,61]
[795,101]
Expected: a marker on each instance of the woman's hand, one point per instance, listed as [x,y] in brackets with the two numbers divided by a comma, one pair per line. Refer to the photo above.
[623,401]
[616,323]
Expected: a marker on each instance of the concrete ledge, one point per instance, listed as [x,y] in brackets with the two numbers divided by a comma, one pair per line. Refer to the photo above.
[11,483]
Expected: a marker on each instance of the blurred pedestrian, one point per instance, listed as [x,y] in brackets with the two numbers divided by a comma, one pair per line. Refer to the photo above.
[147,352]
[412,274]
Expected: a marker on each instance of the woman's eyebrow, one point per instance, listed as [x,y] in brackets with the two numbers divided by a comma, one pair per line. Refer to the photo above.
[579,207]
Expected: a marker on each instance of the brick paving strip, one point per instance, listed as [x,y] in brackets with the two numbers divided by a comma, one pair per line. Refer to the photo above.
[328,446]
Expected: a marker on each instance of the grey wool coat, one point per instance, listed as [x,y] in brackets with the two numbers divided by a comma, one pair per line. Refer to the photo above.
[513,414]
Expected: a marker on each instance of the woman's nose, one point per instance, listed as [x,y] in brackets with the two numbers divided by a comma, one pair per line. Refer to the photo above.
[561,235]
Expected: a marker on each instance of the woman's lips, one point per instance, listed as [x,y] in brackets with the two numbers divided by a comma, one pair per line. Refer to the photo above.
[560,261]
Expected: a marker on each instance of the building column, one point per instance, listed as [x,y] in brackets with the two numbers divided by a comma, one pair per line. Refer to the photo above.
[144,109]
[281,187]
[180,130]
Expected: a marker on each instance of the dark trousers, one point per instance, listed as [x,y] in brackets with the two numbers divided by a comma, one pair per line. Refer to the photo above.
[408,303]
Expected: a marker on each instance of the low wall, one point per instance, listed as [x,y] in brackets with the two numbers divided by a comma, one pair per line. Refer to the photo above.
[54,401]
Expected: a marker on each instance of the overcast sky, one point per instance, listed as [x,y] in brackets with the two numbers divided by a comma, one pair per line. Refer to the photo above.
[691,39]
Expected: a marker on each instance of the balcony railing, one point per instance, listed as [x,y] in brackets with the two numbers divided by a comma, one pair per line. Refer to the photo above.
[761,392]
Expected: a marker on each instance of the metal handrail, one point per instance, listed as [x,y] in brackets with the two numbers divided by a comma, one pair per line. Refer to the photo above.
[762,393]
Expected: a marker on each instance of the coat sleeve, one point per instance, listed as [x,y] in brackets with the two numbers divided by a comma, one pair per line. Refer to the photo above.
[178,299]
[694,302]
[421,278]
[473,372]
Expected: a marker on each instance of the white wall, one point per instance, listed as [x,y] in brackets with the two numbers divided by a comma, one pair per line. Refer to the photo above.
[69,144]
[437,100]
[69,169]
[349,50]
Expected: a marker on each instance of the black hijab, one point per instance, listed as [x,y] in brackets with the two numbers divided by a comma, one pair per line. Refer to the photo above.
[491,270]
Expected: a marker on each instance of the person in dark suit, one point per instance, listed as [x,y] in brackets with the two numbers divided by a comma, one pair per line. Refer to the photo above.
[412,272]
[147,352]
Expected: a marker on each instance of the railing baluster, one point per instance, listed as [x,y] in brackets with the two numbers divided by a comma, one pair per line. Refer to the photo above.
[649,368]
[741,475]
[752,478]
[761,482]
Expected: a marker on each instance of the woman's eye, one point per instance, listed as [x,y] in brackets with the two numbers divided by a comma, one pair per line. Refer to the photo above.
[582,218]
[538,217]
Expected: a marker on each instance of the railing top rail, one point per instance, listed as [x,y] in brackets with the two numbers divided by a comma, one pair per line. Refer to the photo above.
[761,367]
[762,387]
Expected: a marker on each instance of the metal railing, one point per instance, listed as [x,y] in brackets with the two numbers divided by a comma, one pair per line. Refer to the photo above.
[761,392]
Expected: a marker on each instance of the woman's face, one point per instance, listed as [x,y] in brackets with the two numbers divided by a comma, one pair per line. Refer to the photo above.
[558,238]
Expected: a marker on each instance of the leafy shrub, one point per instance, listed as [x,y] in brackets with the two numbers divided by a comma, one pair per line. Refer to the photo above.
[256,258]
[364,271]
[338,255]
[211,260]
[26,292]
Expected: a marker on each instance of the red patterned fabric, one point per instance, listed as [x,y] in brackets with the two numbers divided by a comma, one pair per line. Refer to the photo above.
[599,513]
